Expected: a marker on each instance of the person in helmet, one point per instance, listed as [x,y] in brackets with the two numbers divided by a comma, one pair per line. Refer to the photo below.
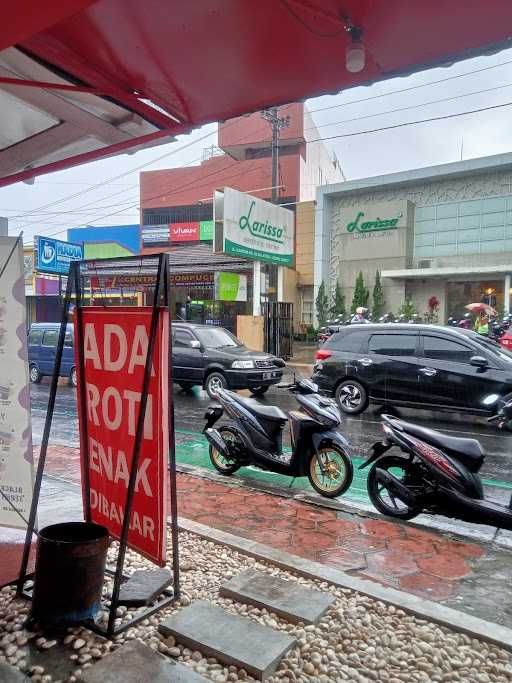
[359,316]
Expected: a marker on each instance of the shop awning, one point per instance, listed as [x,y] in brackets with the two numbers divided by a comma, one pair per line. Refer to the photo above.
[456,272]
[85,79]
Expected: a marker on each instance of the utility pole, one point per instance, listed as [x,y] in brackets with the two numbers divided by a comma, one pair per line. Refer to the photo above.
[277,123]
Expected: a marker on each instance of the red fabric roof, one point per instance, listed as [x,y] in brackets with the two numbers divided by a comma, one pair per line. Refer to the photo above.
[210,60]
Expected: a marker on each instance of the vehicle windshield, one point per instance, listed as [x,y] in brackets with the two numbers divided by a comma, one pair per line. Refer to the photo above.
[216,338]
[495,348]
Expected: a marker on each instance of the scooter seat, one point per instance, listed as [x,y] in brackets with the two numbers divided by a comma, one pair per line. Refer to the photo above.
[272,413]
[467,451]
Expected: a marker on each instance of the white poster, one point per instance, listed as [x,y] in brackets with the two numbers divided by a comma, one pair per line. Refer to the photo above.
[16,458]
[253,228]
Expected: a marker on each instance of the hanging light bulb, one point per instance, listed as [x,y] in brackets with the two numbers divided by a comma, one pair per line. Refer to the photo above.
[355,54]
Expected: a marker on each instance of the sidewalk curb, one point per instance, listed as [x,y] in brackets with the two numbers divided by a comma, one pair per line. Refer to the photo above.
[339,505]
[424,609]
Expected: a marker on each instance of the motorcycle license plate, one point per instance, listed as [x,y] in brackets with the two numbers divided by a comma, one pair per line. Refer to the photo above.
[268,375]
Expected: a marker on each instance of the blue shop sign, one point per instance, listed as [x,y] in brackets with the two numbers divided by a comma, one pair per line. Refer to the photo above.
[54,256]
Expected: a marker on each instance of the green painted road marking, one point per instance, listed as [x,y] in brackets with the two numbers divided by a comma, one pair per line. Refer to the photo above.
[497,483]
[194,451]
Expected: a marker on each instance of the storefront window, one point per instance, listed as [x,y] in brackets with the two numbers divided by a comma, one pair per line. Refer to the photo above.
[462,293]
[479,226]
[306,315]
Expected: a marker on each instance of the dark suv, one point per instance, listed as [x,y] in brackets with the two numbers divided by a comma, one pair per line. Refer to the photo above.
[214,358]
[421,366]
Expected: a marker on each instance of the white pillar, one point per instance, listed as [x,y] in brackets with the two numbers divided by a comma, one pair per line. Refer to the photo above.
[506,295]
[256,288]
[280,283]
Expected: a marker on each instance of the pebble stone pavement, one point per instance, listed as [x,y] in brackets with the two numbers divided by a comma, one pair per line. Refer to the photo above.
[432,565]
[359,639]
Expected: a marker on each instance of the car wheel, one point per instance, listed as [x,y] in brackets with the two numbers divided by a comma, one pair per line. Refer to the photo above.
[259,391]
[352,397]
[506,425]
[35,375]
[214,382]
[72,378]
[185,386]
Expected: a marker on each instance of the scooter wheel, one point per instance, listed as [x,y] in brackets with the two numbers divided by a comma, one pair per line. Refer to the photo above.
[385,502]
[330,471]
[221,463]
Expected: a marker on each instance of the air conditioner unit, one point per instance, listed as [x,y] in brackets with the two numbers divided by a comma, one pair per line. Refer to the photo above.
[426,263]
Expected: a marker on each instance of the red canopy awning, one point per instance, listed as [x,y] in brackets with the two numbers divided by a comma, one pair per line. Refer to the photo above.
[172,65]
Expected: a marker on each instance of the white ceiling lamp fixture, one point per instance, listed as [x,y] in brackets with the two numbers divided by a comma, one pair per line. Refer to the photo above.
[355,53]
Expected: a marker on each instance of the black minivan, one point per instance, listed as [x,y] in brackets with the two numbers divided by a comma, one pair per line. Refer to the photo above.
[420,366]
[214,358]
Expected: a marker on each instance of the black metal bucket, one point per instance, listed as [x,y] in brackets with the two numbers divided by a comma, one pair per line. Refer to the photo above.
[70,567]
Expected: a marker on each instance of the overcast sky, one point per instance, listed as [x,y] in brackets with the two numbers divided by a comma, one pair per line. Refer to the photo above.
[104,199]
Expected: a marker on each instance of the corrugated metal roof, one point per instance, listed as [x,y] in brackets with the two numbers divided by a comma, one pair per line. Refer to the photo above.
[193,258]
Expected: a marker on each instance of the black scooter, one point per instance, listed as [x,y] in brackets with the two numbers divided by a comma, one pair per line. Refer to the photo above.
[254,436]
[436,474]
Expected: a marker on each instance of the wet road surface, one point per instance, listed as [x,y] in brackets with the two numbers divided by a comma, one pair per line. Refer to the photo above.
[361,431]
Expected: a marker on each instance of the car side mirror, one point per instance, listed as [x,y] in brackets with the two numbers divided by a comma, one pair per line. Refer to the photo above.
[479,362]
[194,344]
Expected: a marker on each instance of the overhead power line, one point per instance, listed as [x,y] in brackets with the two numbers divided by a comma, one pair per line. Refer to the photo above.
[343,135]
[167,192]
[136,186]
[132,170]
[413,123]
[311,111]
[412,106]
[412,87]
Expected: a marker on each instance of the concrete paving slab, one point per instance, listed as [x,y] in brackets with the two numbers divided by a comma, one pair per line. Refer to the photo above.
[137,663]
[143,587]
[231,639]
[473,626]
[8,674]
[285,598]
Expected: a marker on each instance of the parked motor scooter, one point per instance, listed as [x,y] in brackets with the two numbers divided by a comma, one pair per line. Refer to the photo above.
[254,436]
[465,322]
[435,473]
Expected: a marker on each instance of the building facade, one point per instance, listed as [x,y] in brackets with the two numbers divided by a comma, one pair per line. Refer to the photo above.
[443,231]
[177,209]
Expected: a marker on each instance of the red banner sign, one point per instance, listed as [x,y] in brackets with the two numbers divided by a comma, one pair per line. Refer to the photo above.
[115,343]
[184,232]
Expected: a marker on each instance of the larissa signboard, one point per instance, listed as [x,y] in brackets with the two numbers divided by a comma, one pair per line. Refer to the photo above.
[115,348]
[253,228]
